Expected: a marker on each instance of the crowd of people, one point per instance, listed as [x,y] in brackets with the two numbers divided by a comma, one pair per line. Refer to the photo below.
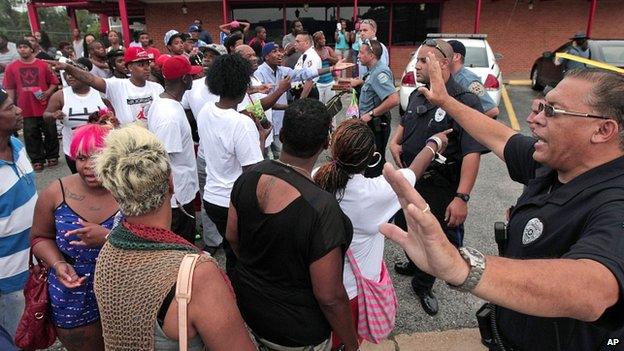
[234,132]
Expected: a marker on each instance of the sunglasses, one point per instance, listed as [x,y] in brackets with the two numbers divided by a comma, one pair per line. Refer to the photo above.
[550,111]
[434,44]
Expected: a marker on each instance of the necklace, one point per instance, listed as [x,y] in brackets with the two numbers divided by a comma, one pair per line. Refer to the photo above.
[301,170]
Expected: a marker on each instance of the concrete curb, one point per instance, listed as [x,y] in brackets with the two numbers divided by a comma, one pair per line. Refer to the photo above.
[448,340]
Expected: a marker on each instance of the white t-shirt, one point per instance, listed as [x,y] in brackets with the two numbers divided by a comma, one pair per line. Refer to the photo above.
[77,109]
[312,60]
[232,141]
[368,202]
[130,102]
[166,119]
[196,97]
[78,47]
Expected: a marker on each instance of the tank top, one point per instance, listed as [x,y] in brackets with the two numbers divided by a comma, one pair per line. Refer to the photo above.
[77,110]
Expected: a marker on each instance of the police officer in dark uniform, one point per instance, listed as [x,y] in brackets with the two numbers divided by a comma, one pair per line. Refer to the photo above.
[446,185]
[377,97]
[560,284]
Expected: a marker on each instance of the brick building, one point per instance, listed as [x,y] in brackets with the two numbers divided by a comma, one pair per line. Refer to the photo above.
[520,30]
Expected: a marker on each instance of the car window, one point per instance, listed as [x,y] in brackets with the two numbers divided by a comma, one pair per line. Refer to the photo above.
[611,53]
[476,57]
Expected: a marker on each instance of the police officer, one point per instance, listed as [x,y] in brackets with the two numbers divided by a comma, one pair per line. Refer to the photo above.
[579,47]
[445,185]
[377,97]
[560,285]
[469,80]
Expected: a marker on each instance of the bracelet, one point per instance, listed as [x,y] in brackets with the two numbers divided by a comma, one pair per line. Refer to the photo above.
[432,150]
[436,140]
[57,262]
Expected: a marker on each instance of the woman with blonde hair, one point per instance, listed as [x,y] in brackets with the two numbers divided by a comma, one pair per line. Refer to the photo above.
[72,218]
[137,269]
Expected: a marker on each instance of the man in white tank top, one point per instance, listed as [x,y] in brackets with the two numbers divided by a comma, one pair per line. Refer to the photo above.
[72,106]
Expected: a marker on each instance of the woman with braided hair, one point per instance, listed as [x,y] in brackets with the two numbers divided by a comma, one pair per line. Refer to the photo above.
[368,202]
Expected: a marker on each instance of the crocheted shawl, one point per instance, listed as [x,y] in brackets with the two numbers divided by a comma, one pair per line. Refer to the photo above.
[129,236]
[135,270]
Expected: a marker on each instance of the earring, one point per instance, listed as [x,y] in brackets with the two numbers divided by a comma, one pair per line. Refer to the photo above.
[378,160]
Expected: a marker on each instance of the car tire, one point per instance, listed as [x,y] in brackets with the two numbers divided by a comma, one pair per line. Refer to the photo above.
[535,84]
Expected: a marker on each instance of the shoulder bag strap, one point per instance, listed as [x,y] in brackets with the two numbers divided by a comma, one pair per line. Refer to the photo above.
[183,296]
[354,266]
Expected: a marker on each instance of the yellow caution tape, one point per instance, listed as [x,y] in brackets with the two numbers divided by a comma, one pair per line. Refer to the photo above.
[589,62]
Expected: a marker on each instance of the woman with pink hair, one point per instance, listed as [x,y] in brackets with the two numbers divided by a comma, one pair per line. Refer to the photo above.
[72,219]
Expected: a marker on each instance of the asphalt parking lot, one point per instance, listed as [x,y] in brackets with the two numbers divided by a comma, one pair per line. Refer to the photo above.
[493,193]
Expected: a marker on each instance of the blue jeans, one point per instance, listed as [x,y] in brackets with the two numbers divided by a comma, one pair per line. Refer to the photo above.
[11,308]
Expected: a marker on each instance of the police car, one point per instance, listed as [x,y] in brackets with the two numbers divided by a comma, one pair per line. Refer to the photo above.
[480,59]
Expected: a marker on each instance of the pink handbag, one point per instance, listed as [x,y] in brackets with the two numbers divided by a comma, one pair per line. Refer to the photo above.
[377,303]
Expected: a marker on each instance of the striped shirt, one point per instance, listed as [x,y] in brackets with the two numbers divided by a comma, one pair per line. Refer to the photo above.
[18,194]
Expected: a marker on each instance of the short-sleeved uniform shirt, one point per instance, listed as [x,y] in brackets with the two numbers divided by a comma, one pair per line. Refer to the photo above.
[577,51]
[28,79]
[272,273]
[472,83]
[385,58]
[378,85]
[309,60]
[581,219]
[422,120]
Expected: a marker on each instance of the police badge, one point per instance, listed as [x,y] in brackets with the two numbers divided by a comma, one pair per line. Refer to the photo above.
[439,115]
[532,231]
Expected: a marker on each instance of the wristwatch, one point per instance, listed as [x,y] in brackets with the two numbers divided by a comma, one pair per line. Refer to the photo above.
[463,196]
[476,261]
[372,113]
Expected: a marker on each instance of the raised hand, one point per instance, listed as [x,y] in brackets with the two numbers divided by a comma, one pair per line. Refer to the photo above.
[424,242]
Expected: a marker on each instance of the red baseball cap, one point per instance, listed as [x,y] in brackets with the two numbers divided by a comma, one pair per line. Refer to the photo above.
[178,66]
[136,54]
[161,60]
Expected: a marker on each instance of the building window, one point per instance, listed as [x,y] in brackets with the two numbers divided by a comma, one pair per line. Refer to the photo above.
[314,18]
[378,12]
[411,22]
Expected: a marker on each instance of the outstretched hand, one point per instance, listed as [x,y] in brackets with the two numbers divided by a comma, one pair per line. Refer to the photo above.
[436,93]
[424,242]
[342,64]
[56,65]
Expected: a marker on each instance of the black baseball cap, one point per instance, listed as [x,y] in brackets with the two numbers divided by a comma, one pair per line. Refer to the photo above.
[458,47]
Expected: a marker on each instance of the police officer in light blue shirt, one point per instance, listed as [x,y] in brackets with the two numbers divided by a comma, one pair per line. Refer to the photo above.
[377,97]
[368,31]
[469,80]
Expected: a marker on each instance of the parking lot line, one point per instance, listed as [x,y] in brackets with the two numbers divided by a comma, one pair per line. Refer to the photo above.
[519,82]
[510,110]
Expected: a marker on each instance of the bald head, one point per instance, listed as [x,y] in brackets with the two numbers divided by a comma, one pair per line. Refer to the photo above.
[248,54]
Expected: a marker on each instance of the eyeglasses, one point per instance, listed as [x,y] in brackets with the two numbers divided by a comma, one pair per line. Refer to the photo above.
[434,44]
[550,111]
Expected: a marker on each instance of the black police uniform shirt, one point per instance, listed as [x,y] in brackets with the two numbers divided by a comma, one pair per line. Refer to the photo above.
[582,219]
[422,120]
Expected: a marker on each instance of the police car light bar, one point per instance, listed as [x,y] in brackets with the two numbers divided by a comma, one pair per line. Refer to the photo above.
[456,35]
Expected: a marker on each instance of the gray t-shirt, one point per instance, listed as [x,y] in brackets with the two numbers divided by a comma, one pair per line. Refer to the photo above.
[6,58]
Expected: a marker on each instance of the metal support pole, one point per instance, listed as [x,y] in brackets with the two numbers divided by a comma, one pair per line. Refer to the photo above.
[225,11]
[285,20]
[33,17]
[104,28]
[73,21]
[477,23]
[125,24]
[355,11]
[590,20]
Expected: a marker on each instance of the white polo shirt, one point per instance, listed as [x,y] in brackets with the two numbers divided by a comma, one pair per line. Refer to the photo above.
[166,119]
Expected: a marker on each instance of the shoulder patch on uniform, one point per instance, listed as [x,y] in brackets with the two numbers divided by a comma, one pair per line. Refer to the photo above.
[383,77]
[477,88]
